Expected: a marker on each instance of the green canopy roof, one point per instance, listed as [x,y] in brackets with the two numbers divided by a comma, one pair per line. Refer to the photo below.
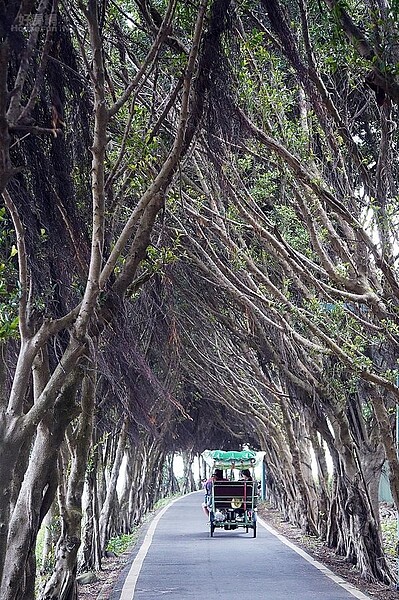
[232,459]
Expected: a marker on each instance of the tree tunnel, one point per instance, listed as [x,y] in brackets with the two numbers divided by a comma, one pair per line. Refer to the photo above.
[198,248]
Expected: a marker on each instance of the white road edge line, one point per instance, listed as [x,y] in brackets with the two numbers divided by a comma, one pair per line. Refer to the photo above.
[336,578]
[131,579]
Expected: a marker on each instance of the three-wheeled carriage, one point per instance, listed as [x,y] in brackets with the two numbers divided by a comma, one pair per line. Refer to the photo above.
[232,504]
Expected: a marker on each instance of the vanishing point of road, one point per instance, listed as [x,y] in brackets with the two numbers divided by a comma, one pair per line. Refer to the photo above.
[178,560]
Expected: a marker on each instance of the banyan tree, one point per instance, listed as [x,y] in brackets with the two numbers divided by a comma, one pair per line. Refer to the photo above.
[198,245]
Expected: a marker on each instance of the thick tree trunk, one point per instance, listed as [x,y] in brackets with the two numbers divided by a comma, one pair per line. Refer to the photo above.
[358,535]
[388,441]
[90,555]
[322,484]
[111,497]
[35,498]
[122,523]
[188,477]
[305,508]
[359,539]
[62,584]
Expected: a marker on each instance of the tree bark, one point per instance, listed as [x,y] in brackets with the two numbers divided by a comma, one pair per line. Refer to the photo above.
[111,496]
[62,584]
[35,497]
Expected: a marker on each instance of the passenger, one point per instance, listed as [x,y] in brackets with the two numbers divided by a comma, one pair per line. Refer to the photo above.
[246,475]
[217,475]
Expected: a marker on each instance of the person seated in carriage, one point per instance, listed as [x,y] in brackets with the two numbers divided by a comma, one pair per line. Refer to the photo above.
[245,475]
[217,475]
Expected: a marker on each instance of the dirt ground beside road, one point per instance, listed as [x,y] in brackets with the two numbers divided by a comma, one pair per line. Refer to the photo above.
[101,588]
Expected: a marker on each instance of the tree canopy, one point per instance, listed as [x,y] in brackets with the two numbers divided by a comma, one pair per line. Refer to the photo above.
[198,249]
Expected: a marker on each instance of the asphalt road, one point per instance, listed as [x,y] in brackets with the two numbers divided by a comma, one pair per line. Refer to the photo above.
[178,560]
